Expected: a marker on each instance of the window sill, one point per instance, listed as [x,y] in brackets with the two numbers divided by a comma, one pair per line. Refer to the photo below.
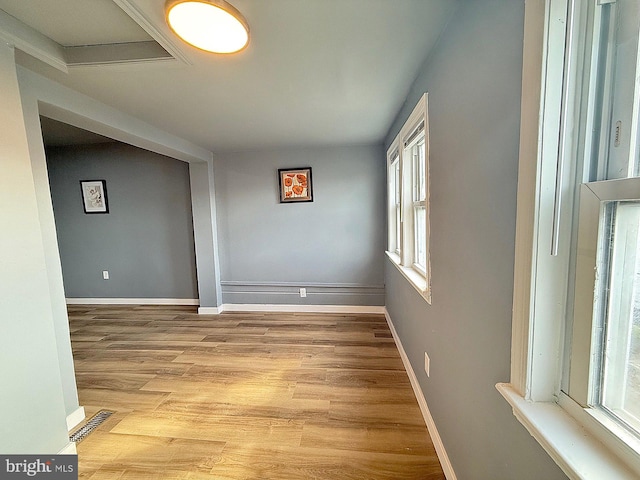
[418,281]
[576,452]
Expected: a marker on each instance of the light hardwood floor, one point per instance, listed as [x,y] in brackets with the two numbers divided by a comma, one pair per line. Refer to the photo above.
[245,396]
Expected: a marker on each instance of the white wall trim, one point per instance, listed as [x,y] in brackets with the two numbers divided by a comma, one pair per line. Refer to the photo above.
[230,307]
[283,293]
[133,301]
[30,41]
[422,402]
[530,132]
[580,455]
[138,16]
[300,284]
[416,280]
[210,310]
[75,418]
[69,449]
[258,307]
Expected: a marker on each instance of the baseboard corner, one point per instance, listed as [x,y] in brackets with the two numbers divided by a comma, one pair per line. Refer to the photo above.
[75,418]
[210,310]
[69,449]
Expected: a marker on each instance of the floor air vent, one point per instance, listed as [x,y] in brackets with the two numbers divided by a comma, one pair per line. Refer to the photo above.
[90,426]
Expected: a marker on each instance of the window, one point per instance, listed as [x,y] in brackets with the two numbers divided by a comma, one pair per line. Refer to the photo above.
[617,389]
[601,373]
[605,339]
[394,203]
[419,207]
[408,194]
[577,271]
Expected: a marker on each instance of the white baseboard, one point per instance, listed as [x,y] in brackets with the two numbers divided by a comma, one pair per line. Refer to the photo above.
[422,402]
[210,310]
[133,301]
[255,307]
[75,418]
[230,307]
[69,449]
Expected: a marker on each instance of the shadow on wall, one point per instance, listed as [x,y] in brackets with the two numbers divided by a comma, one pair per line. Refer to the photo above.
[145,242]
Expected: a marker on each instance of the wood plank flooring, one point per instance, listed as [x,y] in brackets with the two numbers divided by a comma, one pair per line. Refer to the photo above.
[245,396]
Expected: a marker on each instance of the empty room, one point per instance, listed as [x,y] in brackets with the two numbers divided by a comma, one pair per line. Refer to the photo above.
[320,239]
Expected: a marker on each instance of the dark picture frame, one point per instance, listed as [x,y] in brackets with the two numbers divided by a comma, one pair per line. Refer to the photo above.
[94,196]
[295,185]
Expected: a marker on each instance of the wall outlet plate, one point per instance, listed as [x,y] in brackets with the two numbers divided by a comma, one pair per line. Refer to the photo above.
[303,292]
[105,274]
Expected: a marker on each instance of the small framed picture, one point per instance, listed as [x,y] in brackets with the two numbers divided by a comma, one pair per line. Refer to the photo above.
[94,196]
[295,185]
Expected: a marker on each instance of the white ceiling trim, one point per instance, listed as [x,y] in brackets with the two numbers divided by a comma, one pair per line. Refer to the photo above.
[30,41]
[131,9]
[116,53]
[38,45]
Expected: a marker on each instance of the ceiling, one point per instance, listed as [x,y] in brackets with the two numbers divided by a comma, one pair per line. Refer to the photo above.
[316,72]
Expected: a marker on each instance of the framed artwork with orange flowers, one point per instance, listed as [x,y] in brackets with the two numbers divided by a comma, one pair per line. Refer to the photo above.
[295,185]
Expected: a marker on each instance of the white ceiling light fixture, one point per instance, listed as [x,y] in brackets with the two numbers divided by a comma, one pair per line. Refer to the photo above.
[211,25]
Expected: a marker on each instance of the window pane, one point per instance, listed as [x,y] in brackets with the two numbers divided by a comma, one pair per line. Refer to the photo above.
[618,92]
[418,152]
[394,205]
[620,389]
[397,180]
[397,246]
[420,236]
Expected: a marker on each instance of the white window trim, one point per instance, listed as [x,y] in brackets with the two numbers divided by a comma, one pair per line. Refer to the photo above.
[534,388]
[393,225]
[419,279]
[592,194]
[416,279]
[417,203]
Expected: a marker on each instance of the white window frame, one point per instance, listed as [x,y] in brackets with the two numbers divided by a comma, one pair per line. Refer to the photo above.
[582,360]
[573,438]
[394,204]
[403,256]
[417,201]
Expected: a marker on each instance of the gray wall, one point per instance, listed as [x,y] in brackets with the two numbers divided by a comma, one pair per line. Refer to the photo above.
[205,233]
[473,80]
[146,240]
[333,246]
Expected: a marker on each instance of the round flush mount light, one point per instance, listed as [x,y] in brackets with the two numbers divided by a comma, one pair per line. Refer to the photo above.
[211,25]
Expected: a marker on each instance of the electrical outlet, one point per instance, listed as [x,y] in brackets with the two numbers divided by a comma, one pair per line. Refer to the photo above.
[426,363]
[105,274]
[303,292]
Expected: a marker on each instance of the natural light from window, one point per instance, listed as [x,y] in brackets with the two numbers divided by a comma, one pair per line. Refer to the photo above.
[619,390]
